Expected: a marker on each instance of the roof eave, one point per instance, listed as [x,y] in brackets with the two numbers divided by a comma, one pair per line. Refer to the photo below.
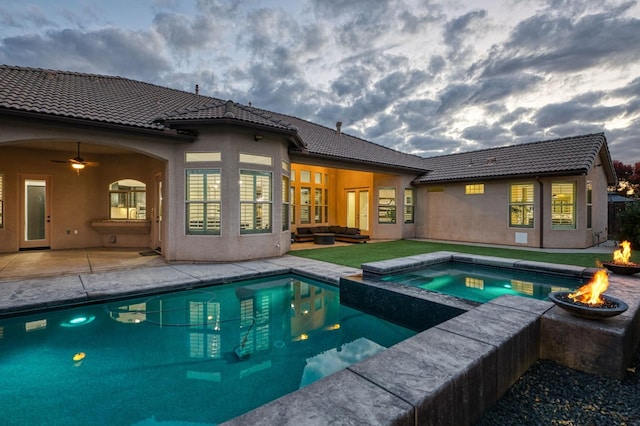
[292,135]
[347,161]
[573,172]
[164,133]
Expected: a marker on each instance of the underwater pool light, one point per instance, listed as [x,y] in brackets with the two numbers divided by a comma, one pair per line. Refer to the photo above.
[78,321]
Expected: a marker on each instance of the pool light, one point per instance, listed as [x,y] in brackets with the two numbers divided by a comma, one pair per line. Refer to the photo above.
[78,321]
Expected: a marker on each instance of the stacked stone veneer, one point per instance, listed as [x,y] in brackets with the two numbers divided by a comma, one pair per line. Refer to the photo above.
[454,371]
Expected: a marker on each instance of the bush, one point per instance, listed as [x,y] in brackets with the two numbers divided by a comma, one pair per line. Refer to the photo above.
[629,224]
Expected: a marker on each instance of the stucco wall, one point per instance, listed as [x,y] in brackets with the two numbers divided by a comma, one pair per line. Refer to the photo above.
[445,212]
[230,245]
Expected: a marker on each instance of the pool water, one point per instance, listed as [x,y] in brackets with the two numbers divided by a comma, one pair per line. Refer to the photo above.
[201,356]
[483,283]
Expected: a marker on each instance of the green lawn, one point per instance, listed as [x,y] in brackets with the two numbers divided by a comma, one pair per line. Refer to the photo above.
[357,254]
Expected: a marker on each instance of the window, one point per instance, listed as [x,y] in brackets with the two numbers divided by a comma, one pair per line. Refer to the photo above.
[312,197]
[589,204]
[305,204]
[292,197]
[521,205]
[193,157]
[1,202]
[262,160]
[408,205]
[317,205]
[476,188]
[255,202]
[127,199]
[286,191]
[387,205]
[203,201]
[563,205]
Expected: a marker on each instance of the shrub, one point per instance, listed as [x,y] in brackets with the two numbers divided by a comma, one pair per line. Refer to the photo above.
[629,223]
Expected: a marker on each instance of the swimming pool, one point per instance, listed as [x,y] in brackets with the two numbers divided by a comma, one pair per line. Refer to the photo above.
[201,356]
[480,283]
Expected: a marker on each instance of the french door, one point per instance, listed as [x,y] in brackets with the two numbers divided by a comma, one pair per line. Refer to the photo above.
[35,202]
[358,209]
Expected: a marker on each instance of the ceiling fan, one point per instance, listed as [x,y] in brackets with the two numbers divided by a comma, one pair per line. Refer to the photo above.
[77,162]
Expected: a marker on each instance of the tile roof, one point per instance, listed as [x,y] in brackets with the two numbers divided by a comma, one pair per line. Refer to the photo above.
[565,156]
[99,98]
[121,101]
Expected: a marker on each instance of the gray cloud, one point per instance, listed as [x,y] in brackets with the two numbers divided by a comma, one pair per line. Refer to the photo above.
[396,72]
[551,43]
[184,33]
[109,51]
[575,111]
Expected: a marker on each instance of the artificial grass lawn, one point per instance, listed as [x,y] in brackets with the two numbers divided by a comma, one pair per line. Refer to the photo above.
[357,254]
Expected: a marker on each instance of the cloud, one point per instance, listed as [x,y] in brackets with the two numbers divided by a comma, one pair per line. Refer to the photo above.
[183,33]
[549,42]
[487,136]
[576,111]
[107,51]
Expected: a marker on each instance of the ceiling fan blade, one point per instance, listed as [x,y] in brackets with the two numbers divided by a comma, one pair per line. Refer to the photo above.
[91,163]
[60,161]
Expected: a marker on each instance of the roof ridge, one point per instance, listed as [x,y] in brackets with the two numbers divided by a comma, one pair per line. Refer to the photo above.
[342,133]
[102,76]
[514,145]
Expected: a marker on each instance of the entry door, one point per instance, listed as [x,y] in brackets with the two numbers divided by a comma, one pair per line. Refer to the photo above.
[158,213]
[36,212]
[358,209]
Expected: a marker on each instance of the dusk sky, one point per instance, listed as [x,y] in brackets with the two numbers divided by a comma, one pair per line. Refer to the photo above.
[427,77]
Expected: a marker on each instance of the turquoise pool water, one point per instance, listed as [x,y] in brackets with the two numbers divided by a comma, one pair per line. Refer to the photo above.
[194,357]
[483,283]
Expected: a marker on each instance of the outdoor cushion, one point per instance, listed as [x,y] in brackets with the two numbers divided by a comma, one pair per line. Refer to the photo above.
[351,231]
[303,231]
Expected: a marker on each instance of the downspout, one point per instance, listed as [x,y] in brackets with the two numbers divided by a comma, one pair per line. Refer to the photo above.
[541,215]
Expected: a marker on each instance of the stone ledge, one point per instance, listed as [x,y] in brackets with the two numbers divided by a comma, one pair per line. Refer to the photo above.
[603,347]
[342,398]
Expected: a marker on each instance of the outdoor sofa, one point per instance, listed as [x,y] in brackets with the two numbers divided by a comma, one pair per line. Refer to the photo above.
[341,233]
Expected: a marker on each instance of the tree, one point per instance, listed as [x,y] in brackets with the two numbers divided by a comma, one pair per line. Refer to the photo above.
[628,179]
[623,171]
[635,176]
[629,223]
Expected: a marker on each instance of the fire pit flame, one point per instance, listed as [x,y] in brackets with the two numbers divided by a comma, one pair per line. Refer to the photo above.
[588,301]
[623,254]
[622,261]
[589,294]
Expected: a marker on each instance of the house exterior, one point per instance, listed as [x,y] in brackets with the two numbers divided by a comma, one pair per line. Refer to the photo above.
[550,194]
[202,179]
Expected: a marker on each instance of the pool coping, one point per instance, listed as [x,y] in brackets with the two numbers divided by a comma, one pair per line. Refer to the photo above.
[454,371]
[448,374]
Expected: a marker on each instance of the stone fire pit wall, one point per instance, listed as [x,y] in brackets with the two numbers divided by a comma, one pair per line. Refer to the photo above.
[603,347]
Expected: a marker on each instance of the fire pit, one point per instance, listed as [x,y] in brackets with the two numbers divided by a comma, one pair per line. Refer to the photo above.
[621,264]
[588,301]
[611,306]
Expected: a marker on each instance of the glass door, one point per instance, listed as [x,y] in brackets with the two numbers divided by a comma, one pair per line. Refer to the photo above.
[36,223]
[358,209]
[158,214]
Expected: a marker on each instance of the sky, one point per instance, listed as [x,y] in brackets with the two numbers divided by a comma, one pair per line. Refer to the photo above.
[427,77]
